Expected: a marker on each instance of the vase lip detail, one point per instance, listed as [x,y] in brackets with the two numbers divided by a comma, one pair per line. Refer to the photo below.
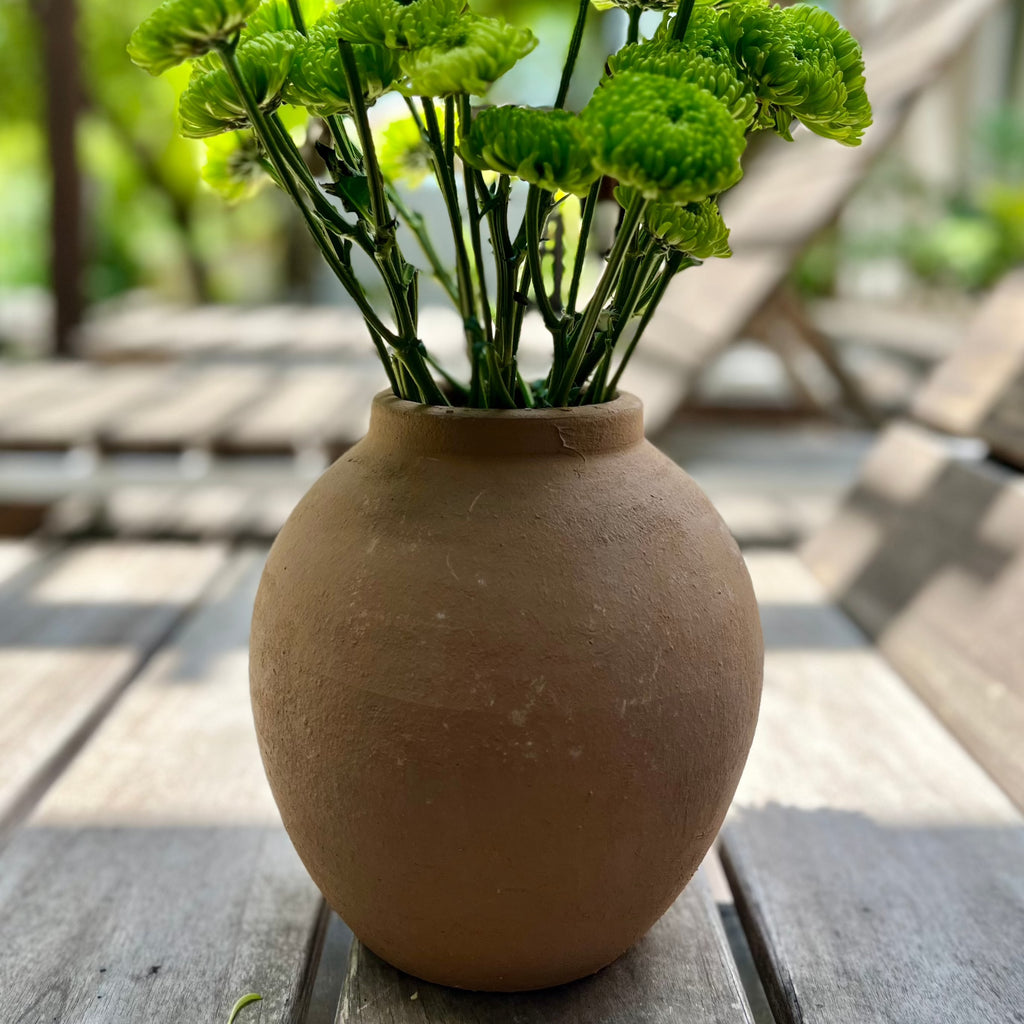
[443,430]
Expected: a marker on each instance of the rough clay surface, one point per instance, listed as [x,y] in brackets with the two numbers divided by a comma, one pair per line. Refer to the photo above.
[505,672]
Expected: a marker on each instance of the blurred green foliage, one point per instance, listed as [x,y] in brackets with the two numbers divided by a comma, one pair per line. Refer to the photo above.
[965,239]
[151,221]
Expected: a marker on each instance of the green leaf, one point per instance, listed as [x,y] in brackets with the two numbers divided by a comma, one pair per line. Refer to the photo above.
[671,140]
[241,1004]
[354,193]
[468,57]
[211,104]
[180,29]
[546,148]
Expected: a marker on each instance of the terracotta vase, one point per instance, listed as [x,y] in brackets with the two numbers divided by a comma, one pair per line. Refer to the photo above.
[506,669]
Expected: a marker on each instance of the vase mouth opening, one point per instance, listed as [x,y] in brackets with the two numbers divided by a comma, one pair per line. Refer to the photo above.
[584,430]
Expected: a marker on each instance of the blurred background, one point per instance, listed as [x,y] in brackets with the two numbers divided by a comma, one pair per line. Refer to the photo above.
[171,364]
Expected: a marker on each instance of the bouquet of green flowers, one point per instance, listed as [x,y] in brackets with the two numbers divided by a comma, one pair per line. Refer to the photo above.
[666,126]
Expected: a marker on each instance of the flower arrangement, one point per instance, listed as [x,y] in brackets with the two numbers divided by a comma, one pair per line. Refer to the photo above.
[667,125]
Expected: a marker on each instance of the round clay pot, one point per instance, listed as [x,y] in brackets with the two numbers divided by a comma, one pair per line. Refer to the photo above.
[506,669]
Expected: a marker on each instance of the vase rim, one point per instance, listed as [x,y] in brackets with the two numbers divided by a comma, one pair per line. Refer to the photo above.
[584,429]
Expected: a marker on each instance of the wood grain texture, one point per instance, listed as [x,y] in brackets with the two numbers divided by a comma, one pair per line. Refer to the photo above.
[74,629]
[154,882]
[682,970]
[878,870]
[979,390]
[927,555]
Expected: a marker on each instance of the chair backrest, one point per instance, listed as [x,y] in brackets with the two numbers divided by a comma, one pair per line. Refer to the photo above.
[926,553]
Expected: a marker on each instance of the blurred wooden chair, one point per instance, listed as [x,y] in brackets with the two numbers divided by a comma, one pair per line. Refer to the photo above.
[790,195]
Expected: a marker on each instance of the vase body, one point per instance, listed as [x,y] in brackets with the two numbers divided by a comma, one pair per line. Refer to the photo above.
[506,668]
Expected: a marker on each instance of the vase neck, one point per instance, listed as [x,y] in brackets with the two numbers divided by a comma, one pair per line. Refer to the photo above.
[437,430]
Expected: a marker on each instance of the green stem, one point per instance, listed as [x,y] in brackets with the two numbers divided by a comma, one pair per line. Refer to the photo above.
[475,216]
[630,223]
[297,18]
[588,212]
[389,366]
[268,137]
[378,198]
[682,19]
[534,228]
[446,179]
[676,262]
[633,35]
[573,55]
[418,227]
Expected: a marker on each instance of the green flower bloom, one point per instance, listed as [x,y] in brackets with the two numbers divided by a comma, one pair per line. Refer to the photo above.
[696,229]
[468,57]
[318,79]
[805,65]
[234,166]
[403,153]
[671,140]
[397,24]
[276,16]
[180,29]
[543,147]
[670,59]
[211,105]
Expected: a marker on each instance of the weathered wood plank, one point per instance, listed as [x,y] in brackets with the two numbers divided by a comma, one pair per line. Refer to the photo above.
[154,882]
[927,555]
[102,398]
[196,405]
[979,390]
[682,970]
[876,867]
[74,629]
[297,413]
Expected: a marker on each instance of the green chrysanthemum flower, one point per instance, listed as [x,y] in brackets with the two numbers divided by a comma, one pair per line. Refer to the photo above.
[403,153]
[546,148]
[670,59]
[180,29]
[805,65]
[397,24]
[276,16]
[696,229]
[211,105]
[671,140]
[234,166]
[468,57]
[318,79]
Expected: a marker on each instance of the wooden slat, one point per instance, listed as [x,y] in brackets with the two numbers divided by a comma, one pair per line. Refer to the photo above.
[876,867]
[682,970]
[24,386]
[199,403]
[979,390]
[296,414]
[102,398]
[74,628]
[927,555]
[154,882]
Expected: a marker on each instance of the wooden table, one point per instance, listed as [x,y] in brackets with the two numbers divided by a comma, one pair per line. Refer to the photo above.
[877,870]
